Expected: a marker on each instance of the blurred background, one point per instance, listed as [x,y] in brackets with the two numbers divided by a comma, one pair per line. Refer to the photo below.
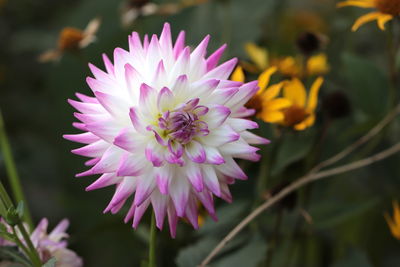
[335,222]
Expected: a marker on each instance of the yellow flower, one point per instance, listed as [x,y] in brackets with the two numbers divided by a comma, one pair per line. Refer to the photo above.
[266,102]
[394,224]
[317,65]
[301,114]
[258,55]
[385,11]
[294,67]
[72,39]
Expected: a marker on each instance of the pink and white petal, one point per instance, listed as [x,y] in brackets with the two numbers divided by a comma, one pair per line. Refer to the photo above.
[83,138]
[243,112]
[172,220]
[132,165]
[101,75]
[191,212]
[160,203]
[253,139]
[105,180]
[226,193]
[109,161]
[137,120]
[195,152]
[145,186]
[212,60]
[211,180]
[129,140]
[220,136]
[206,198]
[231,169]
[139,211]
[223,71]
[105,129]
[203,88]
[216,116]
[179,192]
[108,65]
[85,107]
[213,156]
[124,190]
[239,125]
[246,91]
[165,100]
[115,105]
[93,150]
[163,178]
[179,44]
[238,147]
[195,175]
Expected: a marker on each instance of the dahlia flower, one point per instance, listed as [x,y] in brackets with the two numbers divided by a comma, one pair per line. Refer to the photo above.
[165,125]
[49,245]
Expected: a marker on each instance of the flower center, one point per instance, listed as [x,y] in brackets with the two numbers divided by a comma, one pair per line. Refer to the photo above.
[184,123]
[294,115]
[391,7]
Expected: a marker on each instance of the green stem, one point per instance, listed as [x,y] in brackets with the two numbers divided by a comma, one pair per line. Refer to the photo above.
[152,248]
[20,244]
[33,252]
[12,173]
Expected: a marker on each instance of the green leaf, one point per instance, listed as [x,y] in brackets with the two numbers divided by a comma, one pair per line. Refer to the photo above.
[50,263]
[195,253]
[249,255]
[368,85]
[328,214]
[354,258]
[294,147]
[20,209]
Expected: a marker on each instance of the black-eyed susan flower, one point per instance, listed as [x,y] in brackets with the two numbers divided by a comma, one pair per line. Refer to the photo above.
[301,114]
[266,102]
[394,223]
[289,66]
[385,10]
[164,126]
[72,39]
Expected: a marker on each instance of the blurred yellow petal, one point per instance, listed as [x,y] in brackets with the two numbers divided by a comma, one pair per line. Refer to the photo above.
[309,121]
[265,76]
[277,104]
[317,65]
[382,20]
[300,126]
[271,117]
[359,3]
[289,66]
[273,91]
[394,229]
[396,213]
[257,54]
[364,19]
[295,92]
[313,95]
[238,75]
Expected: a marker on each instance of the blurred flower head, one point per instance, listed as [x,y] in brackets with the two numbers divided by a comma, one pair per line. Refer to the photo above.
[266,103]
[133,9]
[294,66]
[336,105]
[164,126]
[385,11]
[72,39]
[310,42]
[49,245]
[394,223]
[301,114]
